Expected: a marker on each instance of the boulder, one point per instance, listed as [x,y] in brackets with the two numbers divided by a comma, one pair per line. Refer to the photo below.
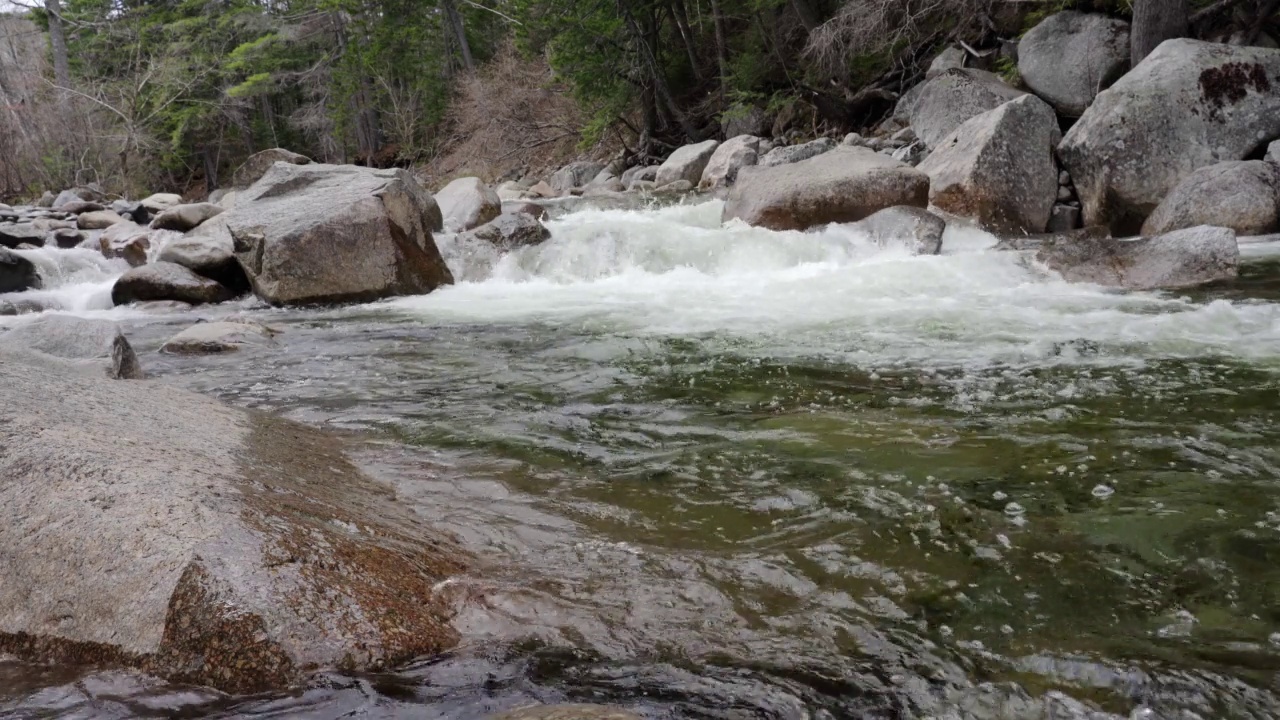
[573,175]
[511,190]
[46,199]
[998,167]
[528,208]
[732,155]
[67,237]
[566,712]
[160,202]
[98,345]
[186,217]
[906,105]
[98,220]
[166,281]
[17,273]
[542,189]
[951,57]
[679,187]
[745,120]
[156,528]
[846,184]
[948,100]
[11,236]
[510,231]
[1189,104]
[788,154]
[79,207]
[76,195]
[467,203]
[126,240]
[336,233]
[221,336]
[1243,195]
[916,229]
[1070,57]
[638,174]
[208,251]
[1183,258]
[1273,152]
[257,165]
[686,163]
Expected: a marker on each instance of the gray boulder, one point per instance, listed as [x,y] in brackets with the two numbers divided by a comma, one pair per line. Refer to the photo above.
[732,155]
[1070,57]
[76,195]
[1188,105]
[1243,195]
[916,229]
[166,281]
[1273,152]
[467,203]
[98,345]
[948,100]
[208,251]
[950,58]
[998,167]
[46,200]
[11,236]
[182,218]
[220,336]
[745,120]
[846,184]
[17,273]
[511,230]
[574,175]
[79,207]
[686,163]
[127,240]
[67,237]
[98,220]
[336,233]
[788,154]
[638,174]
[200,543]
[160,202]
[257,165]
[1180,259]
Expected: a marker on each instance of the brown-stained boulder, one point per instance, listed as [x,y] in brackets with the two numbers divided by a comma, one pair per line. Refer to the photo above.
[197,542]
[845,184]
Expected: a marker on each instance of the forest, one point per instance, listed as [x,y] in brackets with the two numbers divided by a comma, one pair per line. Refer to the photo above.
[145,95]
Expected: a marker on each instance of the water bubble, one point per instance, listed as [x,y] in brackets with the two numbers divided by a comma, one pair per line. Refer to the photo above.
[1013,509]
[1103,491]
[998,495]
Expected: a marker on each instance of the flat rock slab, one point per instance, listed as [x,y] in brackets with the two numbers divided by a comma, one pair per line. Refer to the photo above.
[147,526]
[217,337]
[95,344]
[1180,259]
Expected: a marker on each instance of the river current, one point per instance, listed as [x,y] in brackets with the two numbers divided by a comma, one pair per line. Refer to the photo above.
[722,472]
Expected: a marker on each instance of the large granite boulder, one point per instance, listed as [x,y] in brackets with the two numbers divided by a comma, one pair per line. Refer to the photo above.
[732,155]
[336,233]
[905,226]
[1189,104]
[945,102]
[1243,195]
[1070,57]
[686,163]
[998,167]
[147,526]
[787,154]
[97,345]
[1180,259]
[167,281]
[574,175]
[257,165]
[182,218]
[843,185]
[17,273]
[467,203]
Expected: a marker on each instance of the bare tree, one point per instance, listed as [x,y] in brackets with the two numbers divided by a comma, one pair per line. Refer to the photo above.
[58,43]
[1155,21]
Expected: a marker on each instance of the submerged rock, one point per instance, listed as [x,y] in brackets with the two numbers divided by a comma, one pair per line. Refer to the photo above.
[218,337]
[197,542]
[686,163]
[1070,56]
[511,230]
[1180,259]
[336,233]
[845,184]
[905,226]
[166,281]
[96,344]
[1242,195]
[998,167]
[1188,105]
[17,273]
[467,203]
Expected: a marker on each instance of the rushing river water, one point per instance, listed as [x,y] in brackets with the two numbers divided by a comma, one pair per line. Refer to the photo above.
[722,472]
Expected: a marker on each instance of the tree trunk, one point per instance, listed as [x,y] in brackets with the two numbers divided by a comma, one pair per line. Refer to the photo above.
[1155,21]
[455,22]
[722,54]
[649,59]
[681,16]
[210,169]
[58,42]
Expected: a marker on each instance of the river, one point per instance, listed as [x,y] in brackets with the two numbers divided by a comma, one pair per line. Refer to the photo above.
[724,472]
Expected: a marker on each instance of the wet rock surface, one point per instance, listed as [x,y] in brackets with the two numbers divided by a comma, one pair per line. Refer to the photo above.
[1179,259]
[96,345]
